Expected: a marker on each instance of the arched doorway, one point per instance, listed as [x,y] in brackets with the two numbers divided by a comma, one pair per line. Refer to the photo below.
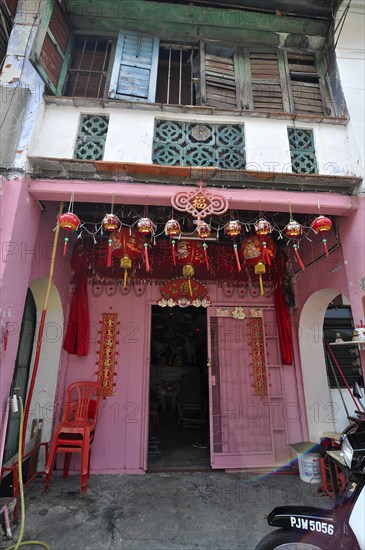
[21,372]
[324,407]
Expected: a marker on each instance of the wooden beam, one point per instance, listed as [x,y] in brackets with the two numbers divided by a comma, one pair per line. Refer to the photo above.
[187,22]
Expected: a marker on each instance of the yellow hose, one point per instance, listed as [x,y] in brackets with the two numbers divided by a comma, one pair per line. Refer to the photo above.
[21,490]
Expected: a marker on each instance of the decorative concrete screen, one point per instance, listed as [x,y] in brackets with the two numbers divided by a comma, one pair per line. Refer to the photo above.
[190,144]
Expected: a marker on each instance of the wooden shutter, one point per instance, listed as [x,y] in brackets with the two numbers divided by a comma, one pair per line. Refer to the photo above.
[305,85]
[52,48]
[134,71]
[218,77]
[266,84]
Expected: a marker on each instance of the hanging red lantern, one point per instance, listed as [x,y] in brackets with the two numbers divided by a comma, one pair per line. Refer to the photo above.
[110,223]
[233,229]
[172,228]
[204,231]
[145,226]
[322,224]
[70,222]
[190,254]
[262,227]
[293,229]
[127,245]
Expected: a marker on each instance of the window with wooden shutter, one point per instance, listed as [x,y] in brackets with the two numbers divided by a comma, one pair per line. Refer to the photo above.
[51,52]
[305,83]
[218,82]
[266,84]
[135,67]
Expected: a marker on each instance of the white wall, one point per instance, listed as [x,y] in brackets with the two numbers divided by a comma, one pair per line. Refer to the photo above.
[350,53]
[130,138]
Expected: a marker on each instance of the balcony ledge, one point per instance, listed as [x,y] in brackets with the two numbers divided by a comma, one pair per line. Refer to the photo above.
[61,168]
[83,102]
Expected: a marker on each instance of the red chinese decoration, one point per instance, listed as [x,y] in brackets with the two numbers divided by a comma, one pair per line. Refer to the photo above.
[233,229]
[173,229]
[110,223]
[178,289]
[190,254]
[108,353]
[258,251]
[262,227]
[146,227]
[127,245]
[322,224]
[70,222]
[293,230]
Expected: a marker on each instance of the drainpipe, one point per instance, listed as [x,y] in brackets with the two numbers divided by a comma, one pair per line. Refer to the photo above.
[41,328]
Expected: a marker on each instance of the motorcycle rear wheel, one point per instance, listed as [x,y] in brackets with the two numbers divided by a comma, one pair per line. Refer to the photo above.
[283,539]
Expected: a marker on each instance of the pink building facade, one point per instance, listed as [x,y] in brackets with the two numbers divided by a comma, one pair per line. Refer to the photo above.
[257,405]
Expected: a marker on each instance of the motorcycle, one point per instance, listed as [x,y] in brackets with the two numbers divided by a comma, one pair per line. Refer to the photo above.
[340,528]
[356,422]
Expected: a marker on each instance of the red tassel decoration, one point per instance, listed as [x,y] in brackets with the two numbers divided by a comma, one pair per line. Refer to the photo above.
[298,257]
[237,257]
[173,251]
[146,256]
[325,247]
[266,254]
[65,246]
[109,260]
[205,246]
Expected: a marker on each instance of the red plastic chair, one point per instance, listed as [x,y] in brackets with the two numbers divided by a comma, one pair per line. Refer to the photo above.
[75,432]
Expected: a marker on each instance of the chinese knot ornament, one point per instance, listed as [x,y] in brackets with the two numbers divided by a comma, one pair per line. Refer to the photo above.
[70,222]
[127,245]
[322,224]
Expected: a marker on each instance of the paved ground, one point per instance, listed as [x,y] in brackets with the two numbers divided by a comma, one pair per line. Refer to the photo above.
[160,511]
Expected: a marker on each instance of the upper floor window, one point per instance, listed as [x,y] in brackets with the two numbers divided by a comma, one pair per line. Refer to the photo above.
[138,67]
[88,69]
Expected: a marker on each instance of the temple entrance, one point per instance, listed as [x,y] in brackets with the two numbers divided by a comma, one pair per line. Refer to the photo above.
[179,402]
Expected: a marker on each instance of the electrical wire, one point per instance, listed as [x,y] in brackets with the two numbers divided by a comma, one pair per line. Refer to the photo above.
[21,490]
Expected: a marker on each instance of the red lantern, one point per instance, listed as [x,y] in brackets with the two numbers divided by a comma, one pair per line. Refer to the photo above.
[145,226]
[293,229]
[233,229]
[262,227]
[70,222]
[172,228]
[190,254]
[321,225]
[110,223]
[203,230]
[127,245]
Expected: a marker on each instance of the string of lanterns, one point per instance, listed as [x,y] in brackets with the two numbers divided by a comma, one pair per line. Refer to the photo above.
[129,242]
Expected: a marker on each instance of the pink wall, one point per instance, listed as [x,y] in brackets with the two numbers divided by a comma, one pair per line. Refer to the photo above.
[27,239]
[20,215]
[121,435]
